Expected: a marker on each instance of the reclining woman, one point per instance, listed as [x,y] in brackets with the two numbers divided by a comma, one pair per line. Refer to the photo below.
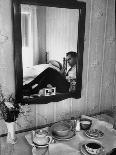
[52,75]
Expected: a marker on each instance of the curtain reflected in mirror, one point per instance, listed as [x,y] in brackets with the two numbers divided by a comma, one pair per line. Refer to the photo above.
[49,49]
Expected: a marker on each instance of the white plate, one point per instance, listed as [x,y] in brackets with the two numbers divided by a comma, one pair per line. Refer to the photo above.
[100,134]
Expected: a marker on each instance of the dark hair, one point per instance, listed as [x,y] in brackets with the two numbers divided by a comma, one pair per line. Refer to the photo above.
[73,54]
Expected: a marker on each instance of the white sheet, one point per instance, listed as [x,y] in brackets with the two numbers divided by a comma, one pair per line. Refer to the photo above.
[30,73]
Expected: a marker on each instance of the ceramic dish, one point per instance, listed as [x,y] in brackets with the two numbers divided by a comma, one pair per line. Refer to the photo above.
[93,148]
[45,145]
[70,135]
[94,133]
[85,124]
[84,151]
[61,129]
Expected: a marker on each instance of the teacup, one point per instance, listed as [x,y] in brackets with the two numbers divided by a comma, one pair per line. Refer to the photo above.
[85,124]
[93,148]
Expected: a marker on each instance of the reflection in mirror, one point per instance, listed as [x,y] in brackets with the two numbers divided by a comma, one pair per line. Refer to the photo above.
[49,50]
[44,32]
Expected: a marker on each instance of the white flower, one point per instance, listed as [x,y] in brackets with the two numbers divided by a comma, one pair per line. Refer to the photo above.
[9,105]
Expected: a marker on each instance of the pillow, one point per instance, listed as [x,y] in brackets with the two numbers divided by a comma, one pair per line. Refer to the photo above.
[55,64]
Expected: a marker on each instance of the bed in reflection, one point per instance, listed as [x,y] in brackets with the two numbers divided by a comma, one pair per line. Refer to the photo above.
[44,76]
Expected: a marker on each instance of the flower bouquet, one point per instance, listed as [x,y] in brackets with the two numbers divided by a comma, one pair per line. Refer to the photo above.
[9,112]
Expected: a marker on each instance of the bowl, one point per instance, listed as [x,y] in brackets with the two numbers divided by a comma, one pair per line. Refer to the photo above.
[61,129]
[85,124]
[93,148]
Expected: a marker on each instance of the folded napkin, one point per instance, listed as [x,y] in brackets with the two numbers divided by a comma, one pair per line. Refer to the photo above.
[29,138]
[62,149]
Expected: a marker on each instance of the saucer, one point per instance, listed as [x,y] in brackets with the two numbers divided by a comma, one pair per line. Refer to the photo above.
[45,145]
[70,135]
[84,151]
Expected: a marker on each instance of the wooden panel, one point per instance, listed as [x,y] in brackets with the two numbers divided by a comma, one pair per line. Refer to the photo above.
[44,114]
[96,54]
[107,94]
[78,107]
[86,56]
[27,118]
[63,110]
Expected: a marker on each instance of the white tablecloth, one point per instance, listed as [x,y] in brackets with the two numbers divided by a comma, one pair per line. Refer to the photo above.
[72,147]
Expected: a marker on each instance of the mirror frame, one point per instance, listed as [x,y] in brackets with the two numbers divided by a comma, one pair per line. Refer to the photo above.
[17,40]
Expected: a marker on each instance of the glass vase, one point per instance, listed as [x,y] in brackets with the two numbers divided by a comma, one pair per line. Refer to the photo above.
[11,132]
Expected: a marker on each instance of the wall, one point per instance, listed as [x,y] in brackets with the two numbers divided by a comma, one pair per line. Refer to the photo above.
[61,32]
[34,35]
[41,28]
[27,18]
[57,30]
[6,48]
[99,67]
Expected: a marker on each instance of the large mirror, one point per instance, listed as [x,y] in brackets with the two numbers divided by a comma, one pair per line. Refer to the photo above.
[48,49]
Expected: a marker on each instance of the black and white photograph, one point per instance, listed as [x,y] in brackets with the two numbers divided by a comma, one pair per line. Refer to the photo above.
[57,77]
